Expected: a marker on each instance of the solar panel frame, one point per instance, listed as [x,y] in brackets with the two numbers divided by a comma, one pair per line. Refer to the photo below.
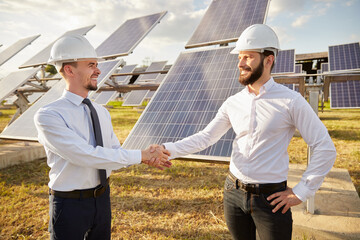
[122,36]
[14,80]
[15,48]
[345,95]
[188,99]
[285,62]
[42,57]
[135,98]
[344,57]
[225,20]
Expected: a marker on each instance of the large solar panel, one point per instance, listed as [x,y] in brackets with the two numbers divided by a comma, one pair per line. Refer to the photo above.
[154,66]
[135,98]
[42,57]
[128,36]
[106,96]
[285,62]
[15,48]
[24,128]
[345,94]
[14,80]
[188,99]
[225,20]
[344,57]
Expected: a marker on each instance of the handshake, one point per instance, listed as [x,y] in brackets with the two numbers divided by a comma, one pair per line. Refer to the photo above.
[156,156]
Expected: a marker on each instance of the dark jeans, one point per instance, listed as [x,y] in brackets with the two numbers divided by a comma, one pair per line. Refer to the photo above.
[246,212]
[78,219]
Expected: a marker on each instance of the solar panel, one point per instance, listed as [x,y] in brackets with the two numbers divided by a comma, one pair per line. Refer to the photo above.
[106,68]
[345,94]
[154,66]
[42,57]
[24,128]
[285,62]
[298,68]
[128,36]
[324,67]
[15,48]
[188,99]
[344,57]
[135,98]
[225,20]
[106,96]
[125,79]
[14,80]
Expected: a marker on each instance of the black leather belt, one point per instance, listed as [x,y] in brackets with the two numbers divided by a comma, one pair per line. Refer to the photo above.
[77,194]
[266,188]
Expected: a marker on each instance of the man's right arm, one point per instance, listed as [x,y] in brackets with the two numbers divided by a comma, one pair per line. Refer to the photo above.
[203,139]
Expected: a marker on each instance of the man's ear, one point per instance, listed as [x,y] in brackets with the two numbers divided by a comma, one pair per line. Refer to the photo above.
[269,60]
[68,70]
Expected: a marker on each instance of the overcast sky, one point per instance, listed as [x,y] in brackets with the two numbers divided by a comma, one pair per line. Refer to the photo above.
[304,25]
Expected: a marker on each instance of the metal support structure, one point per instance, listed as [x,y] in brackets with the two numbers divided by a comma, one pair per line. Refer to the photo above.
[22,104]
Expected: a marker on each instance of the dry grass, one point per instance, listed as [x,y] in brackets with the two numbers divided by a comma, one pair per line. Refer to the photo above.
[184,202]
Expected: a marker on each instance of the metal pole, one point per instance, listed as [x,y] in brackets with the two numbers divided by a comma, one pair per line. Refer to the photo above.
[314,103]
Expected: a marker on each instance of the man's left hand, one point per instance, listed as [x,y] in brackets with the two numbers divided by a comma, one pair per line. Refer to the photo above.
[286,198]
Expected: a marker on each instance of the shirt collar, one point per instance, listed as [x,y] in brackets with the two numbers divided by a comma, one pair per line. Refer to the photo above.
[264,88]
[72,97]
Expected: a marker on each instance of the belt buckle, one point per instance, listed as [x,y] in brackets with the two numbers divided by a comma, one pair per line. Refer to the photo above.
[96,189]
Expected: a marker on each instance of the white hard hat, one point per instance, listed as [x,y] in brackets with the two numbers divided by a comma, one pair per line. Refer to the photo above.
[257,37]
[71,48]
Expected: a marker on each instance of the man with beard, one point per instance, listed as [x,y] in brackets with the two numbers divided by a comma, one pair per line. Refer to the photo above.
[82,148]
[264,116]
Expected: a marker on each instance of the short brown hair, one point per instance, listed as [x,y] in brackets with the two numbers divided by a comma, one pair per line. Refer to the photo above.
[267,53]
[74,64]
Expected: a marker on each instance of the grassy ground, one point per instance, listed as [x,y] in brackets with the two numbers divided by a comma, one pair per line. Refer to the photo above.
[184,202]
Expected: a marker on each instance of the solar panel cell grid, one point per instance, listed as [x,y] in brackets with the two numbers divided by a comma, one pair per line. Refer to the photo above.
[188,99]
[135,98]
[225,20]
[285,62]
[344,57]
[154,66]
[345,94]
[128,35]
[125,79]
[324,67]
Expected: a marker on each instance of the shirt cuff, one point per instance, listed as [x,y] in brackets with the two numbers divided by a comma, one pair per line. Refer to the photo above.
[170,146]
[302,192]
[135,156]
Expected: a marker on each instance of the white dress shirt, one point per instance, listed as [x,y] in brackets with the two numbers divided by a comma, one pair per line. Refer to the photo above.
[264,125]
[65,129]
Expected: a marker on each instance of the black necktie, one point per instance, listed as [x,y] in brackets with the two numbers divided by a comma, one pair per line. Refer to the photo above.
[98,136]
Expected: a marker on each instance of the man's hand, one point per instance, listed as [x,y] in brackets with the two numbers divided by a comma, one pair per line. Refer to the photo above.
[286,198]
[156,156]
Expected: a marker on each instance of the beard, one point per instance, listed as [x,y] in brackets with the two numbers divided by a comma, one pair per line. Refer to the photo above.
[255,74]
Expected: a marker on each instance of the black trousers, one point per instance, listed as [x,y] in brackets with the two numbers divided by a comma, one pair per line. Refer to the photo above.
[247,212]
[78,219]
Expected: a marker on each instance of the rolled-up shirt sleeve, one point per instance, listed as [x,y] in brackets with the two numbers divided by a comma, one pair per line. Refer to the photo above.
[57,137]
[203,139]
[322,148]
